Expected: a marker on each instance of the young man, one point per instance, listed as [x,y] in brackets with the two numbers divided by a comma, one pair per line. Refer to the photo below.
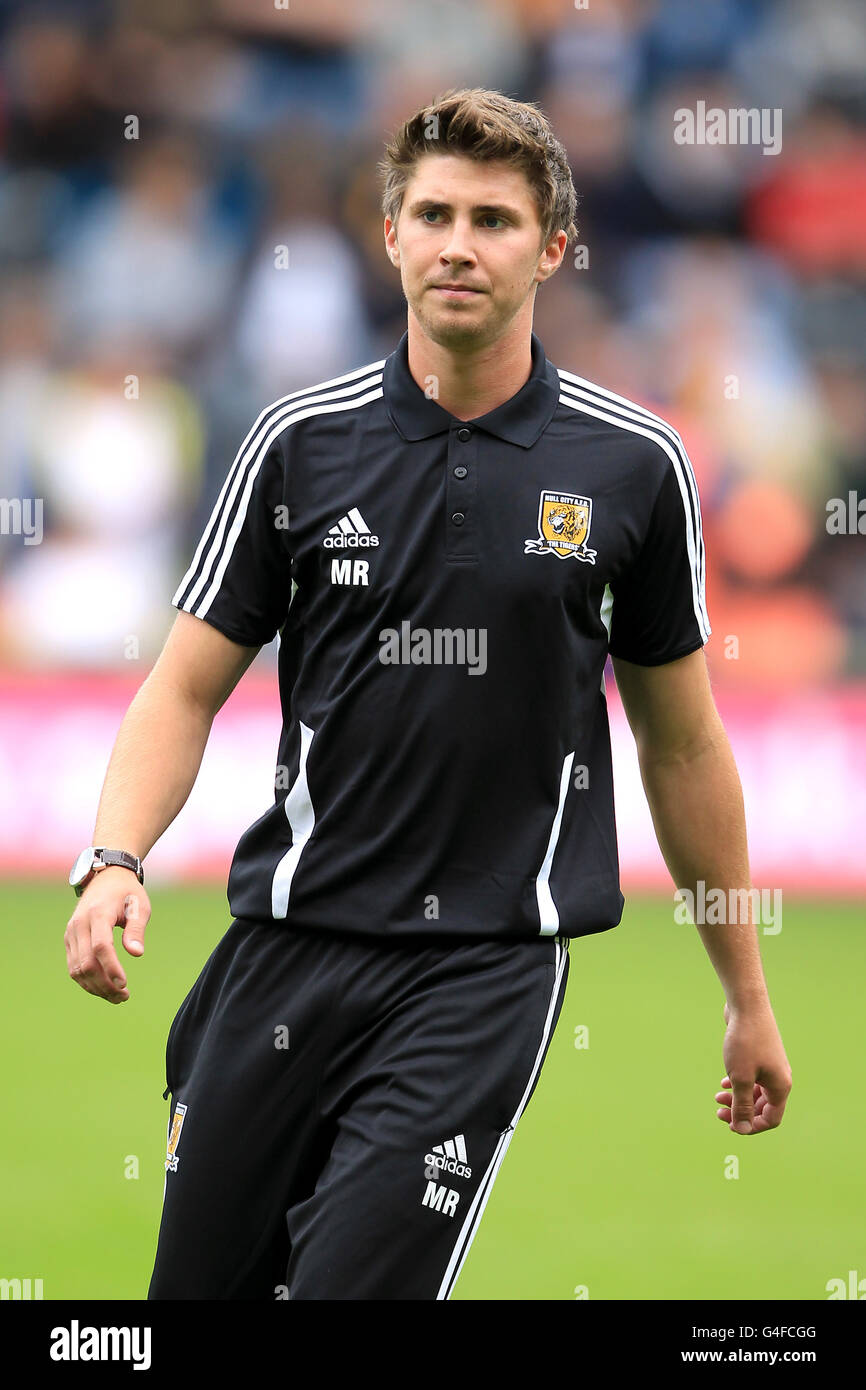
[448,542]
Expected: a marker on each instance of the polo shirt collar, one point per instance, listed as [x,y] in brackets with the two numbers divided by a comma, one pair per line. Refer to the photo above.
[519,420]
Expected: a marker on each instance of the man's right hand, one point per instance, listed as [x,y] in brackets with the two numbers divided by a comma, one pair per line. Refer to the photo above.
[114,897]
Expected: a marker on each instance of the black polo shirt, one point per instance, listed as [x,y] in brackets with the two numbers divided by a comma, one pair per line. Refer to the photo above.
[446,593]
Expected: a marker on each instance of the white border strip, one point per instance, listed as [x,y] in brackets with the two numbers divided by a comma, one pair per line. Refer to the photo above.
[302,819]
[548,915]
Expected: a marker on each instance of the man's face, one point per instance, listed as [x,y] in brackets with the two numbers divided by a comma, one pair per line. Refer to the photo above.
[474,225]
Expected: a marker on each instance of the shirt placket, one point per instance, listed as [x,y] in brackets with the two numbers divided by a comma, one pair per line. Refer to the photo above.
[461,494]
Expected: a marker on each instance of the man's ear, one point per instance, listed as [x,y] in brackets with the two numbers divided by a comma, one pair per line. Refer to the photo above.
[392,250]
[549,264]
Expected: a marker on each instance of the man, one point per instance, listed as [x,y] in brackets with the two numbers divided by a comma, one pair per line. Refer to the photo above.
[448,542]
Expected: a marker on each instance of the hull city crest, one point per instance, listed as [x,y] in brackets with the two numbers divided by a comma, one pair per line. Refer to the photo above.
[563,527]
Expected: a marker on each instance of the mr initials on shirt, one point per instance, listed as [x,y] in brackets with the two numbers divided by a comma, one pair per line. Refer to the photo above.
[348,571]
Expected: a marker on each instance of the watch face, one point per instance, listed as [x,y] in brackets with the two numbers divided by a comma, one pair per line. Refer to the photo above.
[82,866]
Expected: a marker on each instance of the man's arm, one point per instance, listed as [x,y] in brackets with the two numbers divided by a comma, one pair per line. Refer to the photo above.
[154,763]
[696,801]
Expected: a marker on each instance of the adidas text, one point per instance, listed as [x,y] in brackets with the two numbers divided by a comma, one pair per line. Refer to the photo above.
[352,539]
[448,1165]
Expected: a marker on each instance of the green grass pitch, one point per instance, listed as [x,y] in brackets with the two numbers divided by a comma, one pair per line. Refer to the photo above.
[615,1181]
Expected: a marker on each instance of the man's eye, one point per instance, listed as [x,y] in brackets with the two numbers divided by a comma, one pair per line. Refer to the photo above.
[488,217]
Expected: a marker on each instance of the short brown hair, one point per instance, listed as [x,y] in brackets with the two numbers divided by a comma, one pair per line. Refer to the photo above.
[484,125]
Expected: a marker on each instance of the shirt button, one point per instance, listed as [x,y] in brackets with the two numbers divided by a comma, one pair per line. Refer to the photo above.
[460,471]
[463,435]
[458,518]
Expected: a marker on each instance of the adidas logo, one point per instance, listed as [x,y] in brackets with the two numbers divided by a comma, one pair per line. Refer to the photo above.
[451,1157]
[350,531]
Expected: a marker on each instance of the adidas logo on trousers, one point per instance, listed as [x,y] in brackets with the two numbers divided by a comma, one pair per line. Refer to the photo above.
[451,1157]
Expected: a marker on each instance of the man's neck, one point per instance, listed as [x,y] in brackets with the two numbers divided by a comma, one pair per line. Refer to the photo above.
[471,383]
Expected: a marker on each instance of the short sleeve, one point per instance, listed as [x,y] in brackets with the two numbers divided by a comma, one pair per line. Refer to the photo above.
[659,606]
[240,576]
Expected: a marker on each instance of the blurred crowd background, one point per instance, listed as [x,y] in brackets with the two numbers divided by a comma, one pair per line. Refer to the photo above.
[154,153]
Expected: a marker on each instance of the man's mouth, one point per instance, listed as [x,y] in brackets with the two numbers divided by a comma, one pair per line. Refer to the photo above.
[456,292]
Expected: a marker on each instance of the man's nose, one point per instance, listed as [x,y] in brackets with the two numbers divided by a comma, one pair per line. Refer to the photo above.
[459,245]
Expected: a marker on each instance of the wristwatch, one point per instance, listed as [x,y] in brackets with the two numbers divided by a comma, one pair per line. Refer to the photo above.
[93,859]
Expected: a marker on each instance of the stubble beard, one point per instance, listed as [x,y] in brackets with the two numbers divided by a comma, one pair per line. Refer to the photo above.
[454,329]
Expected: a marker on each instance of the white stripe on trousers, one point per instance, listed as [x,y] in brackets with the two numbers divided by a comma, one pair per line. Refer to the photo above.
[476,1211]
